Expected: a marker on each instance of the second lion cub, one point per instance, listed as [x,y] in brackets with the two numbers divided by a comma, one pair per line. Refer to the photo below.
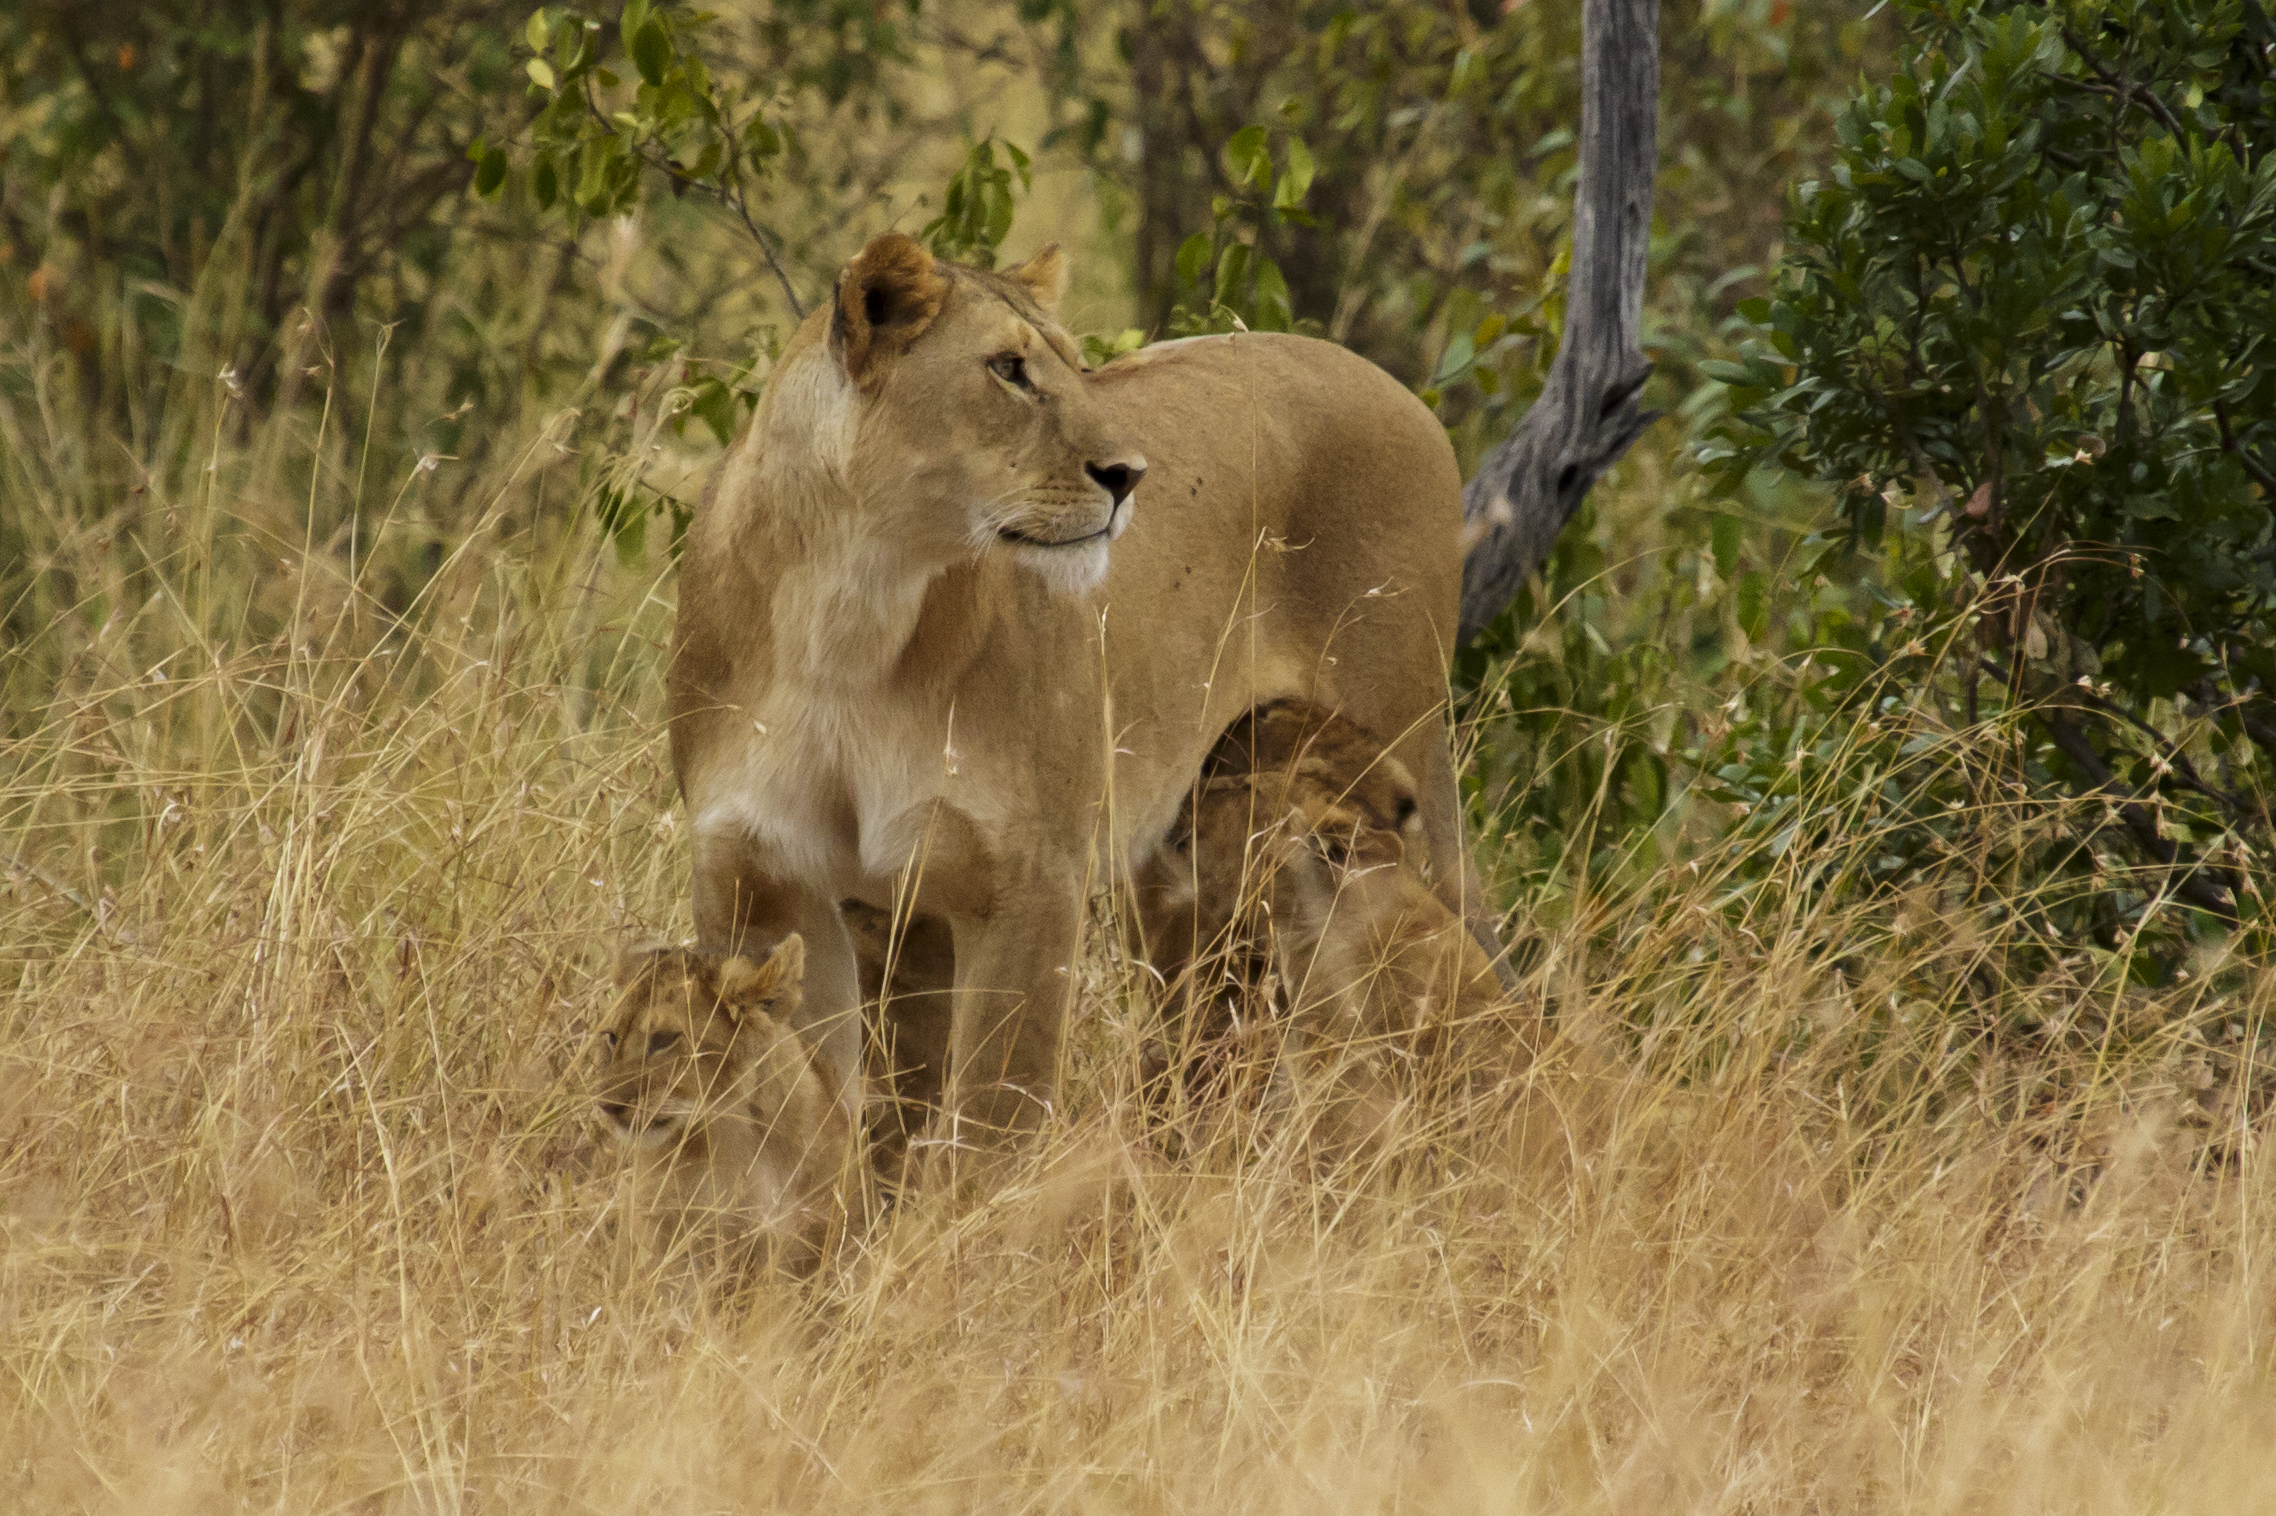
[1288,878]
[739,1151]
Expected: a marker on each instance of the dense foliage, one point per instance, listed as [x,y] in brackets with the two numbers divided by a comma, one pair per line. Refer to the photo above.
[2024,328]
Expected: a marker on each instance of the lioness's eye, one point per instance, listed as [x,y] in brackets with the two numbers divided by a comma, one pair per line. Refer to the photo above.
[661,1042]
[1009,367]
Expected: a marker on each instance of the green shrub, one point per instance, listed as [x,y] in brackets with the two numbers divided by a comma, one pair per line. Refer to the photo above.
[2023,331]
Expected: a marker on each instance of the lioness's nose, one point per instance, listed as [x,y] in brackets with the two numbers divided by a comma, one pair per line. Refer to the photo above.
[1117,479]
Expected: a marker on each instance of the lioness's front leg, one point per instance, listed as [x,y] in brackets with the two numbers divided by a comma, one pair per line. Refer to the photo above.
[742,908]
[1015,977]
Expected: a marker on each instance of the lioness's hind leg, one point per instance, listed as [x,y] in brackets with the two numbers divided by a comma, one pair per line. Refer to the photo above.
[1453,864]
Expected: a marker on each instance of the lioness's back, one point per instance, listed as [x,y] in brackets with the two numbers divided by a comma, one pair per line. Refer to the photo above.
[1280,442]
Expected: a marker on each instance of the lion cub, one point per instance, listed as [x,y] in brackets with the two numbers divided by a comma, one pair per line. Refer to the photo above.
[737,1145]
[1287,876]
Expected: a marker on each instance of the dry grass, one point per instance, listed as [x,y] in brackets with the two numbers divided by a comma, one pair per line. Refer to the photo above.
[303,933]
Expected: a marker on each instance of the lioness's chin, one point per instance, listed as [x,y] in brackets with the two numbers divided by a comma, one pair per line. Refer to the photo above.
[1067,570]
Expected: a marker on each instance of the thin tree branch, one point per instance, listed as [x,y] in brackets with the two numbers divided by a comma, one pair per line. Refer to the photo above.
[2208,888]
[2119,84]
[2253,466]
[730,198]
[2184,772]
[782,277]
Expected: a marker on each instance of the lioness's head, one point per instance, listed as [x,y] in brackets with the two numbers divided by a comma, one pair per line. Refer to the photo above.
[685,1032]
[971,430]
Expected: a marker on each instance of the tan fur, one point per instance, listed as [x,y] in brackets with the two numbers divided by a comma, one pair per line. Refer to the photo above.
[908,973]
[884,301]
[1195,893]
[737,1143]
[1289,869]
[908,667]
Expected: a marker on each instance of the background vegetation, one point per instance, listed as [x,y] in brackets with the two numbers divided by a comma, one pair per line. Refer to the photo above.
[1893,1144]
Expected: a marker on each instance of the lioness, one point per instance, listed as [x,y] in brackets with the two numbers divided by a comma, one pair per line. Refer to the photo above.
[906,655]
[737,1142]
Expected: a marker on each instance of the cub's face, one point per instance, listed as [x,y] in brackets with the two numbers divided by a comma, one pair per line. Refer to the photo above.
[679,1039]
[1340,782]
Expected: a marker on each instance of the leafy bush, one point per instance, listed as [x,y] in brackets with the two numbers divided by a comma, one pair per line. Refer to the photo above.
[2023,330]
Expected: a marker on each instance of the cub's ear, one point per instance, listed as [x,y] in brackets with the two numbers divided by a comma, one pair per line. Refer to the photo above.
[636,963]
[884,301]
[772,986]
[1045,276]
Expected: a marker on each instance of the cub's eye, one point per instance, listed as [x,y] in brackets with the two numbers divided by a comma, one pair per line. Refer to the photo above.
[662,1042]
[1011,368]
[608,1040]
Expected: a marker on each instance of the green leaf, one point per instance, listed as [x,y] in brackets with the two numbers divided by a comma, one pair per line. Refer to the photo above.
[635,12]
[1273,308]
[1296,179]
[632,539]
[1193,258]
[1247,157]
[539,31]
[1457,358]
[652,50]
[540,73]
[1724,532]
[714,403]
[1232,270]
[544,182]
[592,174]
[1754,605]
[491,173]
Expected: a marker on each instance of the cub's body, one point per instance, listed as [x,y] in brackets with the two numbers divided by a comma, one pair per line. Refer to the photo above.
[738,1147]
[1288,892]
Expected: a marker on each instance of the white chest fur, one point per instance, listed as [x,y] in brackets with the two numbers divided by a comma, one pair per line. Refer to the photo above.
[835,788]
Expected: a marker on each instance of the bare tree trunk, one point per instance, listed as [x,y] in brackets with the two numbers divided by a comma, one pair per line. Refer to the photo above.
[1529,487]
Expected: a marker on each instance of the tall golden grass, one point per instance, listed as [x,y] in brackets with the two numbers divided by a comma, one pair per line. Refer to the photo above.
[308,908]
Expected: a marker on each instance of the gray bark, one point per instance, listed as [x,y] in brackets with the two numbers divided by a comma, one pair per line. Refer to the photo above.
[1588,413]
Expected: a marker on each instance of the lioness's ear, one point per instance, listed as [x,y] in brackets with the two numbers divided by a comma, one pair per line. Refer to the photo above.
[1045,276]
[885,299]
[765,986]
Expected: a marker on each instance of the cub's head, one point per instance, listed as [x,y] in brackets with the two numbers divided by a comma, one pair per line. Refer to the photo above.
[685,1031]
[1339,782]
[972,428]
